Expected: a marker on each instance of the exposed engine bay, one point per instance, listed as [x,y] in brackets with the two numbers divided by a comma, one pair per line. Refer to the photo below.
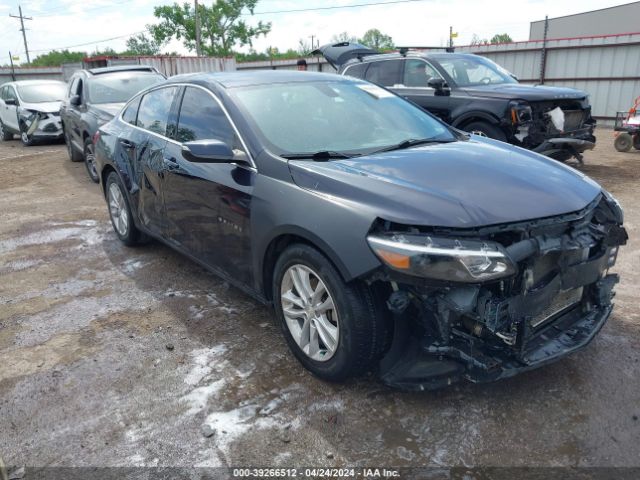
[559,129]
[490,302]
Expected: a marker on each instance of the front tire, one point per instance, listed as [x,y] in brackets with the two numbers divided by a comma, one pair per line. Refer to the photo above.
[25,138]
[485,129]
[120,212]
[335,329]
[90,161]
[636,141]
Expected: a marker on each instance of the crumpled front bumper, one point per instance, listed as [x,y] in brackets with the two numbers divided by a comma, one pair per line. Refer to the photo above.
[42,125]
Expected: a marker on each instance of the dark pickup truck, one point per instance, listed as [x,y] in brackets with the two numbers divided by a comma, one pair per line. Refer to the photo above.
[476,95]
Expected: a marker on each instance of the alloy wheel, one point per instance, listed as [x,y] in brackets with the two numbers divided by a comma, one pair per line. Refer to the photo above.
[309,312]
[90,160]
[24,136]
[118,210]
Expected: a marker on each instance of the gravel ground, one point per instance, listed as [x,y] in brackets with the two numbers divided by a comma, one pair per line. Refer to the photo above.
[116,356]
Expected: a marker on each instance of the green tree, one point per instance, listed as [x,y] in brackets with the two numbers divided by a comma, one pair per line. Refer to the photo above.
[57,57]
[221,27]
[501,38]
[143,44]
[343,37]
[374,38]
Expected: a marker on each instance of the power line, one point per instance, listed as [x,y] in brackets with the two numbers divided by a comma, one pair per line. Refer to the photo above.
[88,43]
[333,7]
[24,33]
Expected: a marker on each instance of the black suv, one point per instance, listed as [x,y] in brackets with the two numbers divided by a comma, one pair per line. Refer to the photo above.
[476,95]
[94,97]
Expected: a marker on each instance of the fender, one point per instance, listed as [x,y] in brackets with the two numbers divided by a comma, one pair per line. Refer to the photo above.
[475,114]
[262,250]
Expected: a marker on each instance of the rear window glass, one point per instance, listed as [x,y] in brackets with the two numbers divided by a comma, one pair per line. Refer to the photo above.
[358,70]
[153,114]
[120,87]
[385,73]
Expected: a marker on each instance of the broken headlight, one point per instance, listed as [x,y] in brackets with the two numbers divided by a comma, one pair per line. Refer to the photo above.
[454,260]
[521,113]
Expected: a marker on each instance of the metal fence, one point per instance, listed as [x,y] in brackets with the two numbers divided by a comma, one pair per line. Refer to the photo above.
[169,66]
[30,73]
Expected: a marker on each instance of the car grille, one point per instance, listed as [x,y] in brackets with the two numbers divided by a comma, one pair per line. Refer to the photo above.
[573,120]
[563,301]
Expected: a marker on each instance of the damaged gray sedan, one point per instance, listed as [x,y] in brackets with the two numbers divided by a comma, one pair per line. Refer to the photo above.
[31,109]
[385,239]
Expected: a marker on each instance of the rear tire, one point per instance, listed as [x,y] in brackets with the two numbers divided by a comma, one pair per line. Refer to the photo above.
[485,129]
[623,142]
[74,155]
[355,318]
[5,134]
[120,212]
[90,161]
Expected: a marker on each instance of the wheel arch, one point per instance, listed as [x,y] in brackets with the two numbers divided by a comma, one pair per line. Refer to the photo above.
[475,116]
[283,238]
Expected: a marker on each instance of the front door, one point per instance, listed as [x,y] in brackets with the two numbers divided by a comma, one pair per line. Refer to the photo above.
[414,86]
[208,205]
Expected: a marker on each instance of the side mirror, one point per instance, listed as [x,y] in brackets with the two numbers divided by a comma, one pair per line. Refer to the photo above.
[208,151]
[75,100]
[439,85]
[10,101]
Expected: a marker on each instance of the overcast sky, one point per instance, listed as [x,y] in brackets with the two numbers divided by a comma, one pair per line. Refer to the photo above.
[65,23]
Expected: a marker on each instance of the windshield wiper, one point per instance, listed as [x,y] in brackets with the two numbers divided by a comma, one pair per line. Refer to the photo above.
[411,142]
[318,156]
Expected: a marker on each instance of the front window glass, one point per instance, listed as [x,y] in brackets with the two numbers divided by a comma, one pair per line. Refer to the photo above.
[155,106]
[120,87]
[350,117]
[42,92]
[470,70]
[417,73]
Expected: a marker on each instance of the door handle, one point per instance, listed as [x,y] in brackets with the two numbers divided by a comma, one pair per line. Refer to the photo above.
[126,144]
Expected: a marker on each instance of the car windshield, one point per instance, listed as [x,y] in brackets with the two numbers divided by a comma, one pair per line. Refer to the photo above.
[120,87]
[42,92]
[470,70]
[337,116]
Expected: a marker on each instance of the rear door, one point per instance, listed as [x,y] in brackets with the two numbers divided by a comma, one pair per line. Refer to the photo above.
[414,86]
[208,204]
[386,73]
[143,147]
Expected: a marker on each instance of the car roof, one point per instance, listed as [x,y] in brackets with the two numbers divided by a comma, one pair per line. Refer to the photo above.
[121,68]
[255,77]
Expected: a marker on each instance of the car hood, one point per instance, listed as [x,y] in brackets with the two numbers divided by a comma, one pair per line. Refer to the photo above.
[44,107]
[526,92]
[107,110]
[461,184]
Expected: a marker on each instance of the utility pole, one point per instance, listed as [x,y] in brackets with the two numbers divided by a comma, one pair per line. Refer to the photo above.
[198,44]
[543,52]
[450,37]
[13,71]
[22,29]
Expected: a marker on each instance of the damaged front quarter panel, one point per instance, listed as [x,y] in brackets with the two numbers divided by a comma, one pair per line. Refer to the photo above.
[551,303]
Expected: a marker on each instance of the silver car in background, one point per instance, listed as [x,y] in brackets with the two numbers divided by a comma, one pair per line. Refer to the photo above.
[31,109]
